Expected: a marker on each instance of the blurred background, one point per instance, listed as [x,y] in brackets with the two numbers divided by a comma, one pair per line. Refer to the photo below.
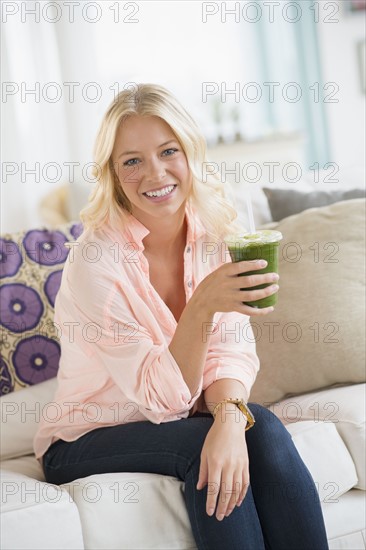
[277,87]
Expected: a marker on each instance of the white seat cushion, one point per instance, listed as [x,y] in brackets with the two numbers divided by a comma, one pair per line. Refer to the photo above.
[101,520]
[344,407]
[326,457]
[37,515]
[111,518]
[21,412]
[345,521]
[132,510]
[26,465]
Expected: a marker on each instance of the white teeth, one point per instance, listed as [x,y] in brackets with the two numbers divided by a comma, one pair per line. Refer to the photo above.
[162,192]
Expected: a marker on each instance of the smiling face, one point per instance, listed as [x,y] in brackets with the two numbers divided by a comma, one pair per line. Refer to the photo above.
[147,157]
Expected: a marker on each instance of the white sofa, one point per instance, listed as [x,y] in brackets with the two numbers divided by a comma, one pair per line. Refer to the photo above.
[138,511]
[147,511]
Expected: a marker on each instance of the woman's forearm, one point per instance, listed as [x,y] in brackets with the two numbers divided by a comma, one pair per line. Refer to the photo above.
[188,346]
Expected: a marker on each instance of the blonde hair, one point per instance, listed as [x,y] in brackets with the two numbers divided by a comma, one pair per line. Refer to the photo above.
[107,201]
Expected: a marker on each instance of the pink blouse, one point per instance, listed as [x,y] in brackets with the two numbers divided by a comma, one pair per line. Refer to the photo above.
[115,329]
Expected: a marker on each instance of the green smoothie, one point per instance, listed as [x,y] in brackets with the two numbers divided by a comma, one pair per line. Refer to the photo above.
[262,245]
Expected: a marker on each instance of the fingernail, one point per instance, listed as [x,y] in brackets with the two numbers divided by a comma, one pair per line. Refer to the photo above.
[211,511]
[275,287]
[262,263]
[220,517]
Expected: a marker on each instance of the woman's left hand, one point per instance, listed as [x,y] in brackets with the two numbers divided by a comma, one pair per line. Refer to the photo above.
[224,466]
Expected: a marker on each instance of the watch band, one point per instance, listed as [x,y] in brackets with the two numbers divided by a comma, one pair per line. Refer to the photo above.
[242,406]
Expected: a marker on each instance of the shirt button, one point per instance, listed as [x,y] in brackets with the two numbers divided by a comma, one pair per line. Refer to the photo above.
[188,249]
[189,284]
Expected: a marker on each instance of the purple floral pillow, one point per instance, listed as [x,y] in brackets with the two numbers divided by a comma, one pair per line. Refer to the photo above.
[31,264]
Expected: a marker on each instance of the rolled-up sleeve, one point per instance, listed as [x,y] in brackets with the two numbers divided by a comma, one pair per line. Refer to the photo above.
[232,350]
[147,373]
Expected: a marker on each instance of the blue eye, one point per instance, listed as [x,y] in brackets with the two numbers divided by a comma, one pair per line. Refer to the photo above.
[132,162]
[129,162]
[172,149]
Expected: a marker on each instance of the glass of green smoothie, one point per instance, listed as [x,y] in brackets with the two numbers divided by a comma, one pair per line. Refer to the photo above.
[261,245]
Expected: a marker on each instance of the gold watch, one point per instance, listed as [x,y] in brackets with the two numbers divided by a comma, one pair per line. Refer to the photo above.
[242,406]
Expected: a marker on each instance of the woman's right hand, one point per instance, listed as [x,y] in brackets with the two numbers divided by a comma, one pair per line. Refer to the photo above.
[220,291]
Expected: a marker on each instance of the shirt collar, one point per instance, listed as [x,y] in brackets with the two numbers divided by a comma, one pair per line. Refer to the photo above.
[137,231]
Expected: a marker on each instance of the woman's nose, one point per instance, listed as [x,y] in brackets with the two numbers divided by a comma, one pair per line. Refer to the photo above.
[155,170]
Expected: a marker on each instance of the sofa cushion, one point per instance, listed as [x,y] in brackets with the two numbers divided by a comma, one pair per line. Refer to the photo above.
[152,507]
[31,264]
[27,465]
[344,407]
[286,202]
[308,342]
[37,515]
[21,412]
[344,520]
[326,457]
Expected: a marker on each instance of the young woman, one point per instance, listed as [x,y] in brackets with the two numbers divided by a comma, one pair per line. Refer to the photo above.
[155,336]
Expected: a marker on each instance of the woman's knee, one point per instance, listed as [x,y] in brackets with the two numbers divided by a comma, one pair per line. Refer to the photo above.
[268,429]
[262,414]
[273,456]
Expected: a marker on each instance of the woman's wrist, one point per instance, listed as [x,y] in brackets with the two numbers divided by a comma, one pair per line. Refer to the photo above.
[200,307]
[228,416]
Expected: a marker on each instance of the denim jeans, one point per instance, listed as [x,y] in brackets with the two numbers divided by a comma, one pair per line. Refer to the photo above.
[281,509]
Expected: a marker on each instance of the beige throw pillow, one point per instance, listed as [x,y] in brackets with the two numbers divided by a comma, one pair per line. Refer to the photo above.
[315,338]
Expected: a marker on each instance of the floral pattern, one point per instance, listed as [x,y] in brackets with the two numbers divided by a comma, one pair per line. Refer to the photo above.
[76,230]
[46,247]
[52,286]
[31,275]
[6,385]
[10,258]
[36,359]
[20,306]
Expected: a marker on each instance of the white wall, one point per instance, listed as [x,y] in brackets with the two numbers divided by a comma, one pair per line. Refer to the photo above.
[338,53]
[64,132]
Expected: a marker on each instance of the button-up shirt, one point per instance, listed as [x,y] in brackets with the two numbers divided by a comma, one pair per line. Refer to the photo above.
[115,330]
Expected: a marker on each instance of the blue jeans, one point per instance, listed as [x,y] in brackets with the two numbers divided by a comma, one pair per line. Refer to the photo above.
[281,509]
